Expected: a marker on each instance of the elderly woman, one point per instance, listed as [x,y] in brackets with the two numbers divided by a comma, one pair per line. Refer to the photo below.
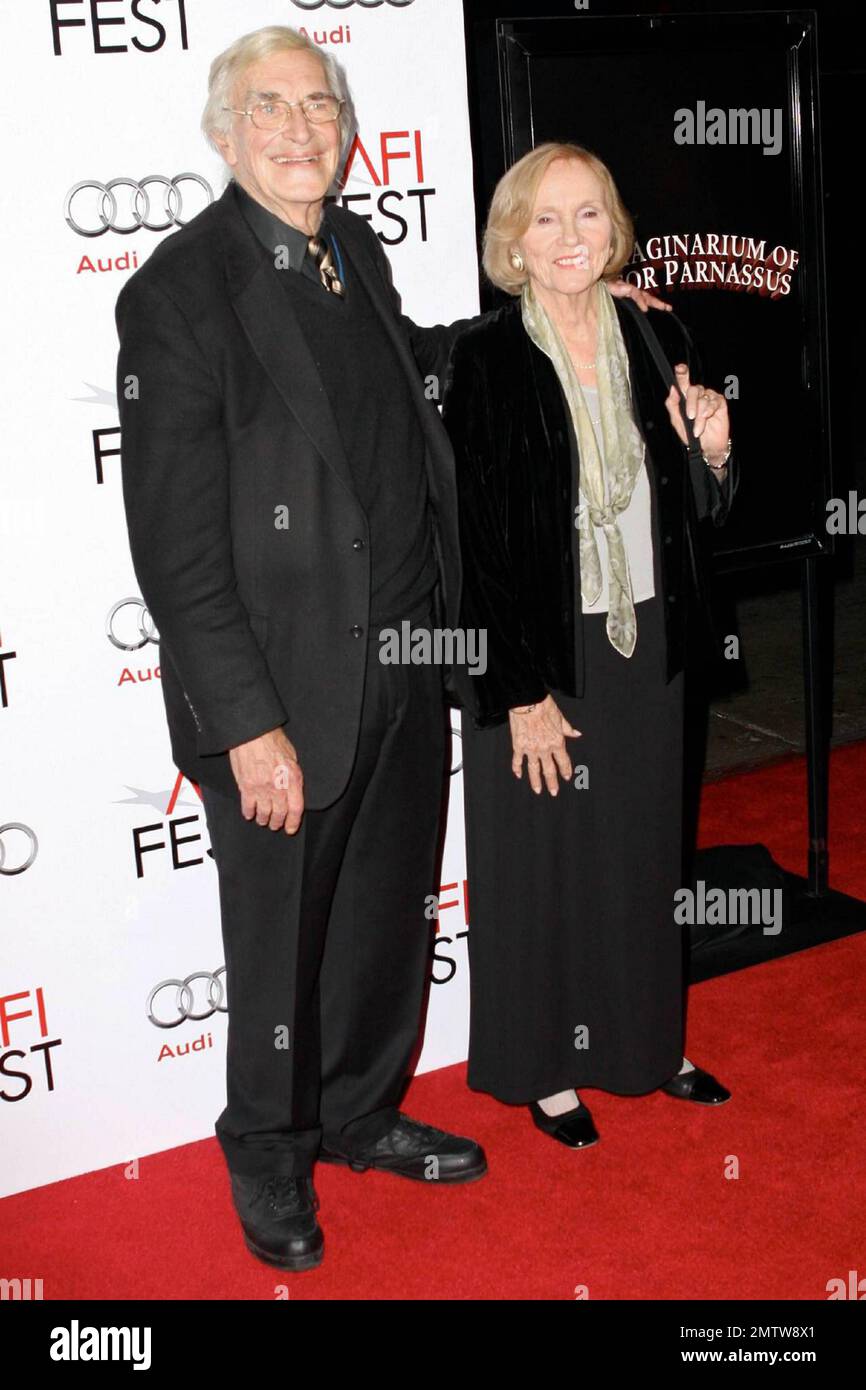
[577,532]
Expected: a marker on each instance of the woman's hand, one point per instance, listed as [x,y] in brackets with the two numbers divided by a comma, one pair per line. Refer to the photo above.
[624,289]
[707,409]
[538,734]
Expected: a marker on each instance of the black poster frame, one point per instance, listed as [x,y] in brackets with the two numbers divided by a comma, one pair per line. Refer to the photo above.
[503,48]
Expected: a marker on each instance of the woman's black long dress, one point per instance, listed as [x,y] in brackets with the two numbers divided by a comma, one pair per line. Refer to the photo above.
[575,958]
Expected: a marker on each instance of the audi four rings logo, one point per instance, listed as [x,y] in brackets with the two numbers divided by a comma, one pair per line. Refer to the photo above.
[8,852]
[184,1000]
[344,4]
[455,734]
[125,632]
[138,204]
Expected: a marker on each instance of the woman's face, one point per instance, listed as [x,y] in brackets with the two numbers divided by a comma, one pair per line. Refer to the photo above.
[569,240]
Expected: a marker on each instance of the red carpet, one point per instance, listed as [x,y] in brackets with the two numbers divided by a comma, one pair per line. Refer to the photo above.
[648,1213]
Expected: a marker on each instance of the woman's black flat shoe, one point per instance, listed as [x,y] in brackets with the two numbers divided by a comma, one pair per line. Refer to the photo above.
[697,1085]
[575,1128]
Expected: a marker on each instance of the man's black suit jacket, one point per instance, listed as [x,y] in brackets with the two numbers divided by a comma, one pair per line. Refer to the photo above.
[225,419]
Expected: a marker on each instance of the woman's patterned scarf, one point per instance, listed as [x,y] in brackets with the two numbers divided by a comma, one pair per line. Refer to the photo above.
[607,482]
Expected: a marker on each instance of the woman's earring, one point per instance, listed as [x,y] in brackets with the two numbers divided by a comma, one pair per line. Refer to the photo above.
[516,260]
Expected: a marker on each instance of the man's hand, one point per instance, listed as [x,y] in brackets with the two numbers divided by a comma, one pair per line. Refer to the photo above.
[622,289]
[270,781]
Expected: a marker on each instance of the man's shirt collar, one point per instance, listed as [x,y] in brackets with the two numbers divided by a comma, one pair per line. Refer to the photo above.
[272,231]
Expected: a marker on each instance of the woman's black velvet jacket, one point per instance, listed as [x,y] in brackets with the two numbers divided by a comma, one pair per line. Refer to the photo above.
[514,443]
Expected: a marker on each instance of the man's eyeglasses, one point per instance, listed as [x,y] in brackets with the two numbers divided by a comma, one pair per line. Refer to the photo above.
[272,115]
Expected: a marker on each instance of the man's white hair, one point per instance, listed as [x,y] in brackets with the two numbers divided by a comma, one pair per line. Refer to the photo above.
[229,66]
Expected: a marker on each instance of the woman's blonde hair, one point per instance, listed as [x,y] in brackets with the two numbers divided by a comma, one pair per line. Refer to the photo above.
[228,66]
[513,201]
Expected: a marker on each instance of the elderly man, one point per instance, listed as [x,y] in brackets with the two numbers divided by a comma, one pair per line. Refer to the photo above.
[289,492]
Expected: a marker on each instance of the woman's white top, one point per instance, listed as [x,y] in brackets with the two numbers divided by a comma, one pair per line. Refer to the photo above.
[635,524]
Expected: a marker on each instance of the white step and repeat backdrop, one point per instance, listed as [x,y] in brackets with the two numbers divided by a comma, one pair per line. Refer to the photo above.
[106,886]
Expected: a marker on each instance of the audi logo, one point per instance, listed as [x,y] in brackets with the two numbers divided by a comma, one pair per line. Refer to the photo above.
[455,734]
[344,4]
[140,633]
[184,998]
[31,854]
[138,204]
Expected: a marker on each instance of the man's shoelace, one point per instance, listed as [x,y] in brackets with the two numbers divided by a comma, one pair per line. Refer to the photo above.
[409,1135]
[283,1194]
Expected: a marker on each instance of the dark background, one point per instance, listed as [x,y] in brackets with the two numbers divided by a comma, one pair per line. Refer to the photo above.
[614,85]
[757,710]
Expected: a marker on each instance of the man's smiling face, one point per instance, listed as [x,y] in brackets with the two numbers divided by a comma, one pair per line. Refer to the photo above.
[289,171]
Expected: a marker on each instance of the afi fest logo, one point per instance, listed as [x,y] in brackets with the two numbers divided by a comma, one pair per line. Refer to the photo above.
[168,829]
[4,657]
[395,213]
[18,1062]
[86,26]
[105,439]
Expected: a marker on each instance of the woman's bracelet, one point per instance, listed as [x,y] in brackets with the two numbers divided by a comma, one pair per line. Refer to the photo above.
[527,709]
[718,467]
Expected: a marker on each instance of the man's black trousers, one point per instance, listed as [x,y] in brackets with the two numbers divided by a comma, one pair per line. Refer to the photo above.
[326,940]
